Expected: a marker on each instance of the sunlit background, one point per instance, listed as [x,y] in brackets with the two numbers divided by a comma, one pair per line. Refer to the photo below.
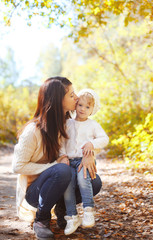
[109,49]
[26,43]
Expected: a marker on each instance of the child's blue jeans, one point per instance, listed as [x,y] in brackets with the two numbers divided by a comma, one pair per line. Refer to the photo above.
[85,187]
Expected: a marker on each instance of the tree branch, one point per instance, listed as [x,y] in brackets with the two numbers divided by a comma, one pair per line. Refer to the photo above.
[116,63]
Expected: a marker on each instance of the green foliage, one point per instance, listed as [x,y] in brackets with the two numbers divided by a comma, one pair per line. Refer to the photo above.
[138,145]
[17,107]
[50,9]
[91,15]
[117,63]
[82,16]
[113,55]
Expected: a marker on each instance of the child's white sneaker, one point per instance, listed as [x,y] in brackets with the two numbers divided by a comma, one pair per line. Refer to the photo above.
[73,222]
[88,217]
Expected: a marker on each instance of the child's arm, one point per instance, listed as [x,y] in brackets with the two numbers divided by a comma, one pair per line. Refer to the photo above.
[100,139]
[88,148]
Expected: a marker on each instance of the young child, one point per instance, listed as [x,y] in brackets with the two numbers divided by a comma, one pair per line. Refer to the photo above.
[85,135]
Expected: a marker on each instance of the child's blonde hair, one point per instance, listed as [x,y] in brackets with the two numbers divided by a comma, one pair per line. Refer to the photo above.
[88,97]
[91,94]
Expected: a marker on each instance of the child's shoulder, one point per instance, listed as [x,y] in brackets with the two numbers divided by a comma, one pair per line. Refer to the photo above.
[70,122]
[92,121]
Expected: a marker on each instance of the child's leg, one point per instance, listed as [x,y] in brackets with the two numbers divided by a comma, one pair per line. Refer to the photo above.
[87,199]
[69,195]
[72,219]
[86,190]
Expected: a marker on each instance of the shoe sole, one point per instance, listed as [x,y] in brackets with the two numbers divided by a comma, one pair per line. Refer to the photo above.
[88,226]
[51,238]
[73,230]
[42,238]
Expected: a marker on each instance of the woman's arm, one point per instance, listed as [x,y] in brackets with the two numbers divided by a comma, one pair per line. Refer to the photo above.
[24,151]
[88,163]
[62,150]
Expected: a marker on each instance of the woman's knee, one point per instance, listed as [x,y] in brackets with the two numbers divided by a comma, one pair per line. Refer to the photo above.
[63,171]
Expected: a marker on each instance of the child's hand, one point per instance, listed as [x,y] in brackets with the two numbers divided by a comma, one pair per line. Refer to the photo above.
[87,149]
[63,159]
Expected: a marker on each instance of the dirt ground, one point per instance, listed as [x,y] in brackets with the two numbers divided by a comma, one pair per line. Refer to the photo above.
[124,207]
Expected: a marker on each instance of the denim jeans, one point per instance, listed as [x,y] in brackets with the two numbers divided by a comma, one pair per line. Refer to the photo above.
[85,187]
[48,188]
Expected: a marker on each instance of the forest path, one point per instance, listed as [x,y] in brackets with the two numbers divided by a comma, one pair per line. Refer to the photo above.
[124,206]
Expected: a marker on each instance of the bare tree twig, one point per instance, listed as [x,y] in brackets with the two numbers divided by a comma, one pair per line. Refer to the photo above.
[15,7]
[116,63]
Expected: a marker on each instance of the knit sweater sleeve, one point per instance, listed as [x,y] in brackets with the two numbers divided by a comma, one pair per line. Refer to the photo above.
[62,150]
[24,151]
[101,139]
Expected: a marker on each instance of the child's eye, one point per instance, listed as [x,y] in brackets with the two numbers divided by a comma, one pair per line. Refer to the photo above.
[80,105]
[87,107]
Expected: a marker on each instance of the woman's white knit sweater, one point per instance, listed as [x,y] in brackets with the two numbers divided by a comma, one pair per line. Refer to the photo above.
[29,161]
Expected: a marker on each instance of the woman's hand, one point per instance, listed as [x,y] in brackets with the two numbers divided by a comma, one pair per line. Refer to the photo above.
[88,163]
[88,148]
[63,159]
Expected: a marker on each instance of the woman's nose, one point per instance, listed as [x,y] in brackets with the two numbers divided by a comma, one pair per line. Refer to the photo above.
[76,97]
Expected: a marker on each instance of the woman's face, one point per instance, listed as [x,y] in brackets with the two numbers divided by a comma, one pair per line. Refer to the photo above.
[69,100]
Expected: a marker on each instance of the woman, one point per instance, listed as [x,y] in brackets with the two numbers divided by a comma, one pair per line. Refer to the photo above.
[43,180]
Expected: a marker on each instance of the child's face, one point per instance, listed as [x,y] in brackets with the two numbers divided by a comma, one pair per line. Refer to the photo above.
[83,109]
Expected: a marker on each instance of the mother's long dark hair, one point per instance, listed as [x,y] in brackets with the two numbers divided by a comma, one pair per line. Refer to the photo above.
[49,116]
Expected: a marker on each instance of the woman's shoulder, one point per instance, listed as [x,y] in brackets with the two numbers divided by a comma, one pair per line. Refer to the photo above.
[30,127]
[30,130]
[29,137]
